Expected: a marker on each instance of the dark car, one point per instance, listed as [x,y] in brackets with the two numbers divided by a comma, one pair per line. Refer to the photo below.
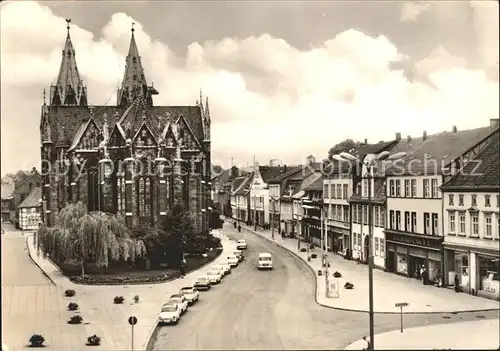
[202,284]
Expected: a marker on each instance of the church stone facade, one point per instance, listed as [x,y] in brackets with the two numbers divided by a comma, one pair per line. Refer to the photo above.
[134,159]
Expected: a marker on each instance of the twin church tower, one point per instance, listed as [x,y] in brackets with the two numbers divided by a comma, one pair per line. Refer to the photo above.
[134,158]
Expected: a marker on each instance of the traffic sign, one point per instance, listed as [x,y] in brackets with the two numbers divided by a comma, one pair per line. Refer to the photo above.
[132,320]
[402,304]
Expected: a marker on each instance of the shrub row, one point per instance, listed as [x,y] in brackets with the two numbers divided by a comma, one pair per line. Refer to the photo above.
[114,280]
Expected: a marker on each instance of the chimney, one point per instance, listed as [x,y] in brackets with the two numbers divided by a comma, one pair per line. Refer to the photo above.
[424,136]
[366,141]
[285,168]
[409,138]
[398,136]
[454,129]
[494,123]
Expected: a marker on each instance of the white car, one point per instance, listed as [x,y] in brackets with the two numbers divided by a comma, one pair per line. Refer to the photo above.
[170,314]
[180,300]
[241,245]
[191,294]
[265,261]
[232,261]
[214,276]
[224,268]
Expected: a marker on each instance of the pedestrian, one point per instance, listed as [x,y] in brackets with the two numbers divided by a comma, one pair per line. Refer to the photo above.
[239,228]
[234,224]
[183,271]
[358,258]
[457,284]
[368,345]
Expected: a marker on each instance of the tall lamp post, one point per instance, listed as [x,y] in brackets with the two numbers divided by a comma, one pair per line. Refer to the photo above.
[384,155]
[273,201]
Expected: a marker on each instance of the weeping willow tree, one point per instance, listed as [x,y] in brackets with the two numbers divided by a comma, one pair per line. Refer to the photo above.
[89,237]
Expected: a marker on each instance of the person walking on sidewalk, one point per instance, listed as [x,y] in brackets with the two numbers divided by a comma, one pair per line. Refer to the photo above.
[239,228]
[368,345]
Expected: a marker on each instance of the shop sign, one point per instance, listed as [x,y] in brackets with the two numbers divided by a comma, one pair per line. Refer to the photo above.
[405,239]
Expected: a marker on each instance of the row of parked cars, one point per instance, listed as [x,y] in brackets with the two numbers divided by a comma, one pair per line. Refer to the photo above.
[172,311]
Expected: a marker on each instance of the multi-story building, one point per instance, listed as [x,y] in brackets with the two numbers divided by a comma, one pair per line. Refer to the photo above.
[29,210]
[259,192]
[313,213]
[23,188]
[221,189]
[240,197]
[349,225]
[472,224]
[134,158]
[414,223]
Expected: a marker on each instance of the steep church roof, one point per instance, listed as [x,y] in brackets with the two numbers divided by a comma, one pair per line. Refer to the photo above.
[69,88]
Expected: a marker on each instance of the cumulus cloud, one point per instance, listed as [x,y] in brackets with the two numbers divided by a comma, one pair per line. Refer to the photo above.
[267,97]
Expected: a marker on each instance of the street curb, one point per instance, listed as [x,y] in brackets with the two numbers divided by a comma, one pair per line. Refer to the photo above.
[36,263]
[154,331]
[354,310]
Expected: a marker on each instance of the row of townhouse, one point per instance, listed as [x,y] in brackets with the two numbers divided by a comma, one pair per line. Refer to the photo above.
[436,208]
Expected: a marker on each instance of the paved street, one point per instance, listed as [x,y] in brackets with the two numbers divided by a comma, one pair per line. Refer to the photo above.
[31,303]
[388,288]
[473,335]
[275,310]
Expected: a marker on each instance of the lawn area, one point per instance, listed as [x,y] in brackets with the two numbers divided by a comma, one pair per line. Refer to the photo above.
[119,276]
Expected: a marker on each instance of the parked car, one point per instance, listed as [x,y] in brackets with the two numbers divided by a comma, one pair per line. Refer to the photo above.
[202,283]
[233,261]
[190,293]
[179,300]
[265,261]
[214,276]
[169,314]
[241,244]
[239,254]
[227,267]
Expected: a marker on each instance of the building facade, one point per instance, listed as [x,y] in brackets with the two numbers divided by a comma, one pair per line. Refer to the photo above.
[134,159]
[240,198]
[29,211]
[23,188]
[472,225]
[337,189]
[414,223]
[313,212]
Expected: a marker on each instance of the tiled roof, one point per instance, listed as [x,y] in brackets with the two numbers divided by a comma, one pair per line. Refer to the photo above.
[268,172]
[282,176]
[430,155]
[240,185]
[482,172]
[33,199]
[316,185]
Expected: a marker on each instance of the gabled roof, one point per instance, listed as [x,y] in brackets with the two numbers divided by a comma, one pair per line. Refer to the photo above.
[282,176]
[481,173]
[241,185]
[81,132]
[315,186]
[429,155]
[268,172]
[33,199]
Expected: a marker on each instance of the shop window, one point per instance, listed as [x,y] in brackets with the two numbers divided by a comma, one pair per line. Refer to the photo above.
[402,265]
[489,270]
[487,200]
[488,226]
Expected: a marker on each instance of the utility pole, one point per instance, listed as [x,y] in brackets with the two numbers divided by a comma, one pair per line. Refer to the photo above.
[321,236]
[272,218]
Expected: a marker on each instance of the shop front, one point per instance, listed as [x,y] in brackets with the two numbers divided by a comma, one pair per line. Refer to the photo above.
[338,237]
[477,269]
[407,254]
[312,230]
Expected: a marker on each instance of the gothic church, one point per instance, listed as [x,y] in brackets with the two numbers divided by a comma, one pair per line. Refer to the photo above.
[135,159]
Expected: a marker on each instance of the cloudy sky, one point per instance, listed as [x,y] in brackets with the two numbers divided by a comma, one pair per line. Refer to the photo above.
[284,79]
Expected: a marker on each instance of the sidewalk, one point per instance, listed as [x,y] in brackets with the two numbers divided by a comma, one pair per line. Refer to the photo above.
[389,288]
[110,321]
[473,335]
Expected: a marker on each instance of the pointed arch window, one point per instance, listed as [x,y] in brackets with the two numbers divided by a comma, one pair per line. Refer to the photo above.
[120,194]
[144,195]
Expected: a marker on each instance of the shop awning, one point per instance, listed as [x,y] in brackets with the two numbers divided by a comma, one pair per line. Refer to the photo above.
[308,207]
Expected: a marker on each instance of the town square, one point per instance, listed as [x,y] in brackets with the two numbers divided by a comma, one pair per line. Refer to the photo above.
[250,175]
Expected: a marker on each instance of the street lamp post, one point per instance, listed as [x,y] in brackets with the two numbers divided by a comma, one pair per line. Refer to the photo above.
[254,215]
[384,155]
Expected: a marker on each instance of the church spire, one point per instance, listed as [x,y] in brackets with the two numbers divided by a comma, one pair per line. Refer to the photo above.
[69,89]
[134,81]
